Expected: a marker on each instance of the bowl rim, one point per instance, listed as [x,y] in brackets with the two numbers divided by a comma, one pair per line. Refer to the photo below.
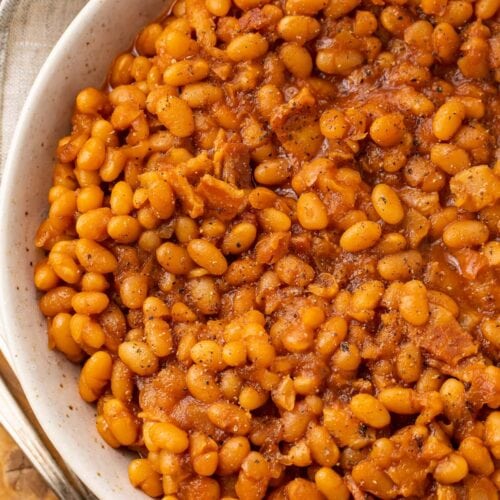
[73,31]
[8,174]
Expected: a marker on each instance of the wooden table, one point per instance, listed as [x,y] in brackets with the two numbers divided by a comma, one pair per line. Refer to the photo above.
[18,479]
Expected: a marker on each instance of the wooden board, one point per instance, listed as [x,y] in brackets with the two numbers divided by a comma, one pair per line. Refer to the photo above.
[18,479]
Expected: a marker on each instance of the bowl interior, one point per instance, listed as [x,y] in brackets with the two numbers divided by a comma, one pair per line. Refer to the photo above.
[103,29]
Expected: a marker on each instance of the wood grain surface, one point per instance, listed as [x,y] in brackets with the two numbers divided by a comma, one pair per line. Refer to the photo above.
[18,479]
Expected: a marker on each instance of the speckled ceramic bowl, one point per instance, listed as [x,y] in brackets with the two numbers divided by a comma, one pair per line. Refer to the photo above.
[82,57]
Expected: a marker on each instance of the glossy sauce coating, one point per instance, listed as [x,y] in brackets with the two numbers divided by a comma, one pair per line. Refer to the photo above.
[273,245]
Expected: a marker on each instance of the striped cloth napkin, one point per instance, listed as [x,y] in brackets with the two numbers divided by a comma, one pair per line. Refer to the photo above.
[28,31]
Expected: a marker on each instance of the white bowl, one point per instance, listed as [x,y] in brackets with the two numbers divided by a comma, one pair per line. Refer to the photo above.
[82,57]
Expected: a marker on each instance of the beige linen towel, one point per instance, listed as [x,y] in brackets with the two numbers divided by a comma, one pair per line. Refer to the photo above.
[28,31]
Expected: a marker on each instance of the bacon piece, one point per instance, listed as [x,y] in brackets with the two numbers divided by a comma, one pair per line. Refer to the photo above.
[192,203]
[234,162]
[470,262]
[221,197]
[255,20]
[296,125]
[272,247]
[444,338]
[475,188]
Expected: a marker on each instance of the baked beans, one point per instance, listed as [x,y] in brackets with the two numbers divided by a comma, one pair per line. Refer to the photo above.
[273,244]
